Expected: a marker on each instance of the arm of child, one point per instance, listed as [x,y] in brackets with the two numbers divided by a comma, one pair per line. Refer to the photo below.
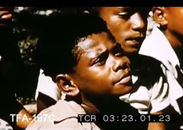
[24,118]
[156,125]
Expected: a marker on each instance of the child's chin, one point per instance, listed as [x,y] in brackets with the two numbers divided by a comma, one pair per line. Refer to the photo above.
[123,91]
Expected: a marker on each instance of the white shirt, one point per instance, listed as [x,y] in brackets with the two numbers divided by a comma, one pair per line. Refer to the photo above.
[148,99]
[157,46]
[4,125]
[61,116]
[47,86]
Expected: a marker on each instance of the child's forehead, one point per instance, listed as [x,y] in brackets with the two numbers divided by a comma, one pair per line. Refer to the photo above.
[124,8]
[95,41]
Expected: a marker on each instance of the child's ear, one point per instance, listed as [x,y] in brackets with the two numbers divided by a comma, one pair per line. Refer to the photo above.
[67,85]
[159,15]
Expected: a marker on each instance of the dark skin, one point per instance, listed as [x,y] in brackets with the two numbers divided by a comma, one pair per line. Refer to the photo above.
[100,76]
[128,25]
[114,79]
[170,21]
[5,16]
[171,27]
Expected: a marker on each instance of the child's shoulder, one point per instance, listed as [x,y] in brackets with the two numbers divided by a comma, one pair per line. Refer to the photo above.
[61,115]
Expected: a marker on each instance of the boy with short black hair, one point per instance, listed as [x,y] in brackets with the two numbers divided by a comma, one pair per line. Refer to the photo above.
[90,68]
[128,26]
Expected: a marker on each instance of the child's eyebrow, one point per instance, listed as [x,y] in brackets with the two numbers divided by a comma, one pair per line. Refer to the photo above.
[97,55]
[104,52]
[123,8]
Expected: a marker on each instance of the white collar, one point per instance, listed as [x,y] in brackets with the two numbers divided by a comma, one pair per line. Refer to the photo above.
[156,45]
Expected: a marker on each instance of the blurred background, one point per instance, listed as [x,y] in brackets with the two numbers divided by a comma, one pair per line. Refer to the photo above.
[28,22]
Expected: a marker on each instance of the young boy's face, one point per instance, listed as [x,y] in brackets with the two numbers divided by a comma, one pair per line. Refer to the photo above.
[102,67]
[175,20]
[127,24]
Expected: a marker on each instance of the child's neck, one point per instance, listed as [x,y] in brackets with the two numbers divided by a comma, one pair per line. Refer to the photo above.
[108,105]
[89,106]
[175,39]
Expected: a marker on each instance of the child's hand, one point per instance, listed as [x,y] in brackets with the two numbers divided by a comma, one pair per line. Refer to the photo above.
[5,16]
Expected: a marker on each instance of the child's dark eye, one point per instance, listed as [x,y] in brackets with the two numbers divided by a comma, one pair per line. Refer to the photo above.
[101,59]
[117,51]
[118,54]
[124,15]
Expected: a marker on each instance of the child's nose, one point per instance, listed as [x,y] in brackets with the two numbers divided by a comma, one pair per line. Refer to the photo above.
[138,23]
[121,63]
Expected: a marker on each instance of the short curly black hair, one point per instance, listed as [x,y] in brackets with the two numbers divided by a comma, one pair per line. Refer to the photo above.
[55,47]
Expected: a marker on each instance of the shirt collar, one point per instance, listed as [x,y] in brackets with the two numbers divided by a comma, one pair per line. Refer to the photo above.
[157,45]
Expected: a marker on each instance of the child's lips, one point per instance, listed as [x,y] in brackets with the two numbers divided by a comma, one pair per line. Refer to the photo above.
[125,80]
[135,42]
